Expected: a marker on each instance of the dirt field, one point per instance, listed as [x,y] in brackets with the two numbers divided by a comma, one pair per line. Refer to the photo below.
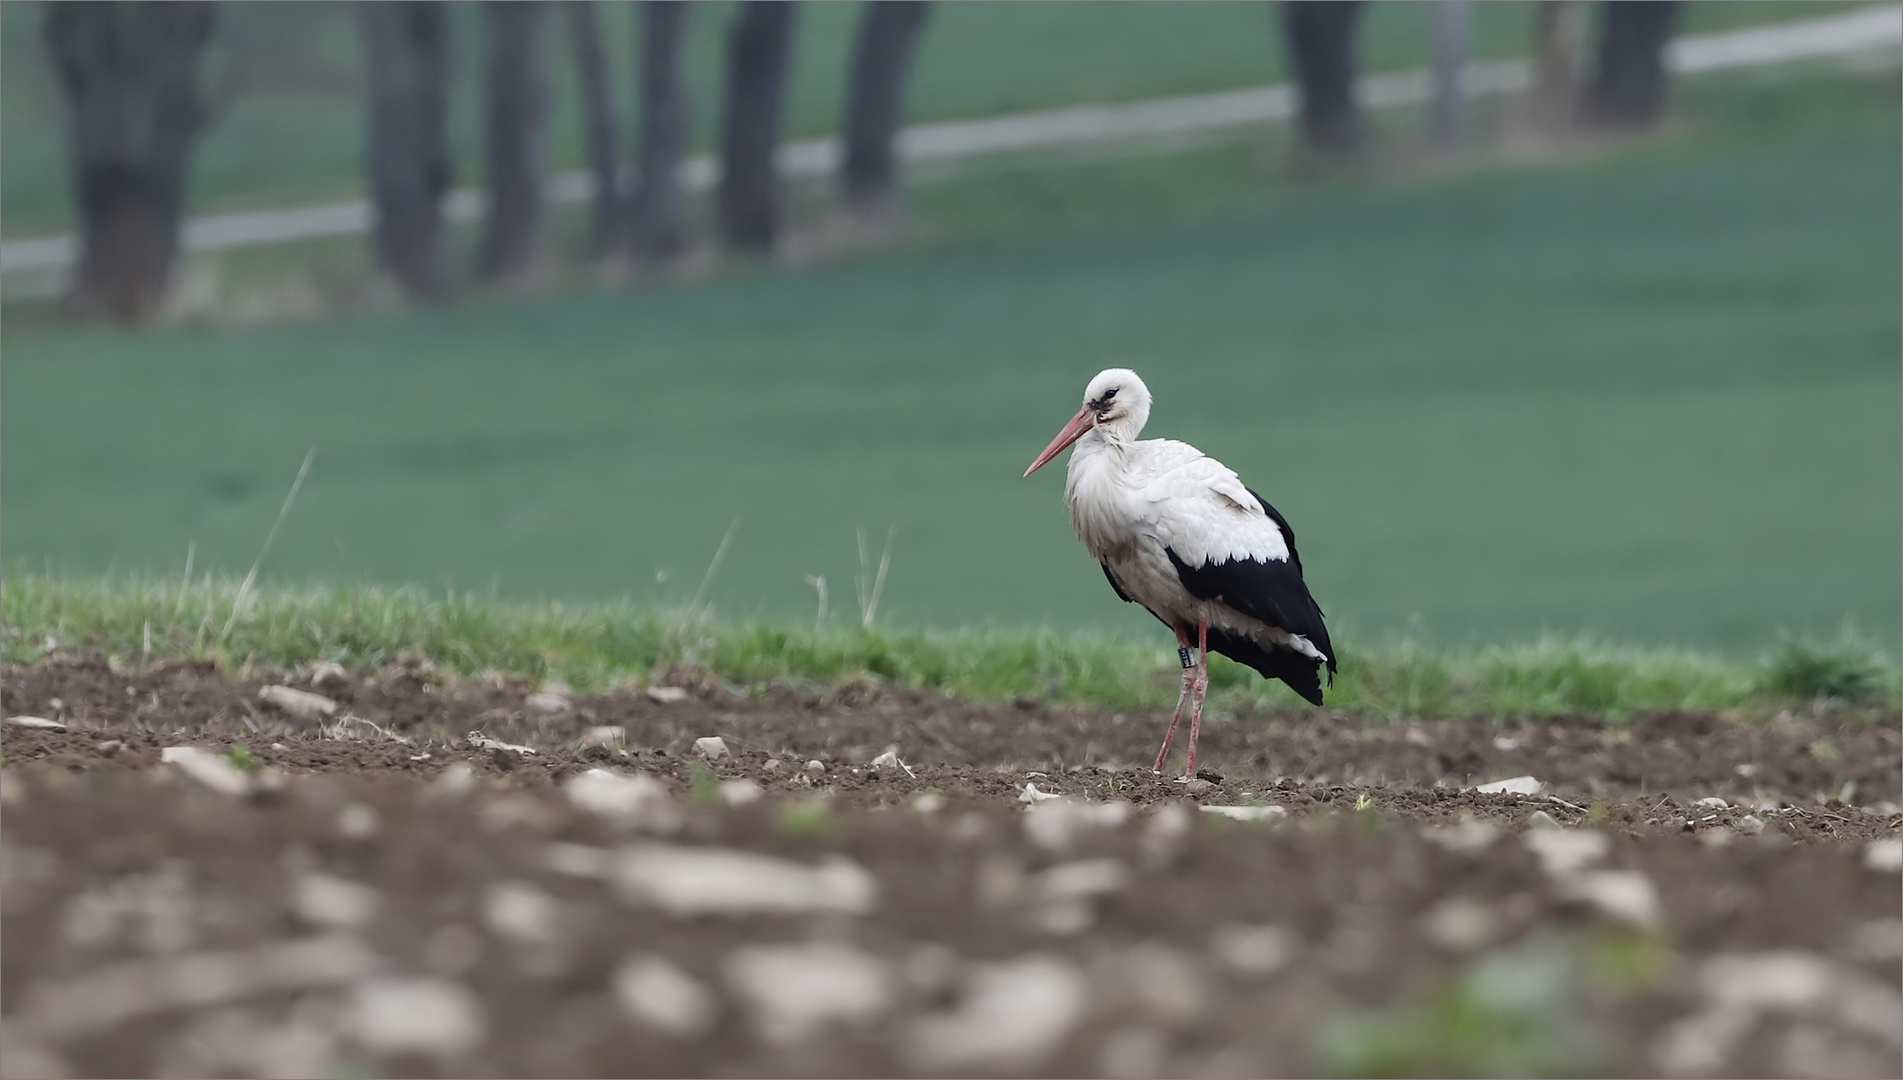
[499,879]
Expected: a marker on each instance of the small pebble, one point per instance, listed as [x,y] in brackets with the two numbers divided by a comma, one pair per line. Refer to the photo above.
[357,822]
[301,704]
[711,747]
[416,1015]
[607,737]
[815,766]
[740,792]
[666,695]
[655,992]
[334,902]
[548,703]
[1884,856]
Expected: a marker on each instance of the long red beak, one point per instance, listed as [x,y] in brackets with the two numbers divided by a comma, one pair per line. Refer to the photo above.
[1072,432]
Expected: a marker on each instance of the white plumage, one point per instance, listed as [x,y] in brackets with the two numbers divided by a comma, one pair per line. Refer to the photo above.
[1178,532]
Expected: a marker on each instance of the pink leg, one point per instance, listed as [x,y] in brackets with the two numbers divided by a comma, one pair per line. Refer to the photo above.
[1201,690]
[1182,643]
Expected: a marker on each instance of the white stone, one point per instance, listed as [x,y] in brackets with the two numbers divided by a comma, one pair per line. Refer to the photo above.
[792,991]
[607,737]
[1566,851]
[299,703]
[1012,1015]
[1083,879]
[1056,825]
[687,881]
[1460,924]
[654,991]
[742,792]
[1247,813]
[638,801]
[1164,833]
[548,703]
[890,760]
[815,766]
[457,779]
[1255,951]
[1712,802]
[1502,742]
[1512,785]
[106,996]
[1781,981]
[520,912]
[1031,794]
[416,1015]
[207,768]
[1465,838]
[1626,895]
[334,902]
[1749,826]
[36,722]
[483,742]
[1699,1044]
[325,673]
[711,747]
[357,821]
[1884,856]
[666,695]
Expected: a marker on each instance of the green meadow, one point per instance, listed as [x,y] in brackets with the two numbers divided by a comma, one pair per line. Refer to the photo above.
[1648,395]
[285,79]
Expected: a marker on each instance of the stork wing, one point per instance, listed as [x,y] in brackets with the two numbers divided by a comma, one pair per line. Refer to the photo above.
[1229,545]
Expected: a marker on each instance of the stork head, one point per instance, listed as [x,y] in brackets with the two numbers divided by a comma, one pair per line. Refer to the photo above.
[1116,405]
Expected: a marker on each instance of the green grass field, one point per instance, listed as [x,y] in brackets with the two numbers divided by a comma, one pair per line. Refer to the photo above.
[593,646]
[1651,396]
[292,131]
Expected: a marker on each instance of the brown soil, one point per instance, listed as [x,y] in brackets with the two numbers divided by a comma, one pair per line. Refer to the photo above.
[1391,939]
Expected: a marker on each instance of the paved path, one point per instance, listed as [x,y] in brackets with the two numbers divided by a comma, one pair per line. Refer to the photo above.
[1875,30]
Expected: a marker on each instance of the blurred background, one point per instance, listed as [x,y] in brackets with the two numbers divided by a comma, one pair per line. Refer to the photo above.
[1556,316]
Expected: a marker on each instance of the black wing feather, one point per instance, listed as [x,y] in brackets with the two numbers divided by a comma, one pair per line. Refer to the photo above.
[1274,592]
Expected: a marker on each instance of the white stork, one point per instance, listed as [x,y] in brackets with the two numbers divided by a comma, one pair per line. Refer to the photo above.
[1176,531]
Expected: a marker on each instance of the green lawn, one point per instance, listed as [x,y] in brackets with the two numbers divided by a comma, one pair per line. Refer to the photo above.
[1652,396]
[292,130]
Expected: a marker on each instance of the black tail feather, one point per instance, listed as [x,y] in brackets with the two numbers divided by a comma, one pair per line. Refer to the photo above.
[1302,674]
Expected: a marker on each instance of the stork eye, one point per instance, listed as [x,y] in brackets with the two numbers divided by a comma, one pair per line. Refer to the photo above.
[1108,394]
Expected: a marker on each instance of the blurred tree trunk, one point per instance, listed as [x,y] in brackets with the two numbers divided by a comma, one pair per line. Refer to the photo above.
[888,39]
[518,103]
[130,76]
[654,206]
[1451,30]
[1556,63]
[1320,36]
[757,52]
[598,123]
[408,45]
[1628,83]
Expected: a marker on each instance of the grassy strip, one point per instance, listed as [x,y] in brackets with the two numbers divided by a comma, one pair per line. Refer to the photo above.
[597,645]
